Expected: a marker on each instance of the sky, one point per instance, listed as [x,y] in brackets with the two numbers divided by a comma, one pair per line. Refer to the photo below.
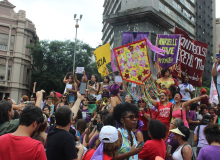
[54,18]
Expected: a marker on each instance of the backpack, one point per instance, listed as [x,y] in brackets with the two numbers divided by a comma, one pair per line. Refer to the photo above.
[193,155]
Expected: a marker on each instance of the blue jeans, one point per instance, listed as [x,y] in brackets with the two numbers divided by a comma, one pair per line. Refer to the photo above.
[218,89]
[72,99]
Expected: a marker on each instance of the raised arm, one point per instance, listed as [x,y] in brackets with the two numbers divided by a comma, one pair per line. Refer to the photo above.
[185,104]
[214,70]
[85,77]
[76,105]
[75,76]
[39,99]
[34,87]
[65,80]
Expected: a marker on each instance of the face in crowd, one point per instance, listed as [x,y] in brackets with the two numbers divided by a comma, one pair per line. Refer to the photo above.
[163,97]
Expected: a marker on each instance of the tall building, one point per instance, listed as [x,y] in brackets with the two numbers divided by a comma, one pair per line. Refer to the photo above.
[217,27]
[182,13]
[16,31]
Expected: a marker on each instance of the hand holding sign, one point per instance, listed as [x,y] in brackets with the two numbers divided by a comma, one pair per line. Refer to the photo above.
[80,70]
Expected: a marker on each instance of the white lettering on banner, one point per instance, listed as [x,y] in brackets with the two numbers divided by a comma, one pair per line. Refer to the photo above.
[199,64]
[186,58]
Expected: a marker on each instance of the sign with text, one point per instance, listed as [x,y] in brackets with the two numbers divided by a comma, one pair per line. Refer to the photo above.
[169,43]
[191,58]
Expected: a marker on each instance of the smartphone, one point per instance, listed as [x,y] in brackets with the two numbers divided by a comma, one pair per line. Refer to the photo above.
[218,55]
[141,144]
[34,95]
[83,87]
[169,147]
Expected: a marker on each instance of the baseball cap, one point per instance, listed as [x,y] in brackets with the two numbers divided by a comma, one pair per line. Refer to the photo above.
[108,132]
[177,131]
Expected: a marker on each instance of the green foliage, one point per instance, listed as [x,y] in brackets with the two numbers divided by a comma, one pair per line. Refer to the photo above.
[53,59]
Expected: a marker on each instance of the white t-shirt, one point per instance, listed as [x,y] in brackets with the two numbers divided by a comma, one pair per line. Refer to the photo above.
[186,95]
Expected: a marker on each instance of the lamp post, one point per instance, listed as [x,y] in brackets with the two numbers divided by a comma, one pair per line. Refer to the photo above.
[77,26]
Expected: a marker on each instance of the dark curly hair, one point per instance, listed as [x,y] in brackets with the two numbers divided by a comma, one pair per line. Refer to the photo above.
[109,120]
[157,129]
[107,77]
[5,106]
[194,106]
[163,71]
[178,92]
[121,110]
[185,131]
[212,133]
[202,108]
[172,89]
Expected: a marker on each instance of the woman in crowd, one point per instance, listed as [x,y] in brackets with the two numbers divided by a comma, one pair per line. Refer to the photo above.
[129,99]
[216,71]
[81,127]
[104,89]
[49,103]
[179,110]
[115,100]
[122,92]
[171,141]
[205,101]
[55,99]
[212,135]
[106,146]
[192,116]
[144,116]
[85,111]
[64,101]
[171,93]
[217,118]
[199,133]
[126,115]
[186,89]
[202,111]
[93,88]
[83,80]
[164,109]
[72,90]
[156,146]
[165,81]
[137,131]
[184,151]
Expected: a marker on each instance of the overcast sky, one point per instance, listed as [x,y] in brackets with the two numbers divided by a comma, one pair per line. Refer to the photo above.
[54,18]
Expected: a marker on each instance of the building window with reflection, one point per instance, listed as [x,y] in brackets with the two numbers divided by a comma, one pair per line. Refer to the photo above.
[2,72]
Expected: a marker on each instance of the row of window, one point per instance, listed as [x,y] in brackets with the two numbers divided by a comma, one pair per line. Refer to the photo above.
[3,47]
[2,72]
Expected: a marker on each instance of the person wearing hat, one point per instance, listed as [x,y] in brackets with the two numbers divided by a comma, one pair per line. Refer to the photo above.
[114,90]
[199,133]
[106,146]
[205,101]
[184,151]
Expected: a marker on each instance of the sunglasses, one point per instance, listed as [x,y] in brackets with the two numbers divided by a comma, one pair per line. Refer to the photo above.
[63,97]
[131,117]
[141,101]
[161,95]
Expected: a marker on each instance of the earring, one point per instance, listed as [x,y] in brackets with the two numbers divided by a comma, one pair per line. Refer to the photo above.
[124,125]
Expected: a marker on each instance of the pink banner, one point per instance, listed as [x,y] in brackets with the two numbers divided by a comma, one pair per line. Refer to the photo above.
[155,49]
[112,61]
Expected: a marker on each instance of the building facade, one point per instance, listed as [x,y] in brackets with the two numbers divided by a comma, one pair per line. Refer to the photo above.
[217,38]
[183,13]
[16,31]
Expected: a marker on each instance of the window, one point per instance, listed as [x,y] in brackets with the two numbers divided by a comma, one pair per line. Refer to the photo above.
[9,73]
[3,41]
[3,47]
[2,72]
[27,76]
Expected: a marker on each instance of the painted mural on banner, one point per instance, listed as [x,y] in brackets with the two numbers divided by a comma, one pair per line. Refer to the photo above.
[133,61]
[191,58]
[169,43]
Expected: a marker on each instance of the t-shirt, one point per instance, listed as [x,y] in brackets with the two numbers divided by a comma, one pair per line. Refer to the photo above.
[209,153]
[187,95]
[202,140]
[20,147]
[60,145]
[164,112]
[218,74]
[153,148]
[142,118]
[192,116]
[89,154]
[9,126]
[165,84]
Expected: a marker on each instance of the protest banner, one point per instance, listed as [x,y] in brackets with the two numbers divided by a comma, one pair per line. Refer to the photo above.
[169,43]
[213,97]
[133,61]
[191,59]
[103,57]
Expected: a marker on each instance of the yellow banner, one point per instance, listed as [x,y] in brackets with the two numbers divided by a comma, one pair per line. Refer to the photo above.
[102,57]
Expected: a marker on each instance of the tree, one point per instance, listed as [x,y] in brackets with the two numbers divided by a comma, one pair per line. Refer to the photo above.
[53,59]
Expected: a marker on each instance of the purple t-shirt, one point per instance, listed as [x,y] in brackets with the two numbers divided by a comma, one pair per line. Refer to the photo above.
[209,153]
[172,142]
[202,141]
[192,116]
[92,142]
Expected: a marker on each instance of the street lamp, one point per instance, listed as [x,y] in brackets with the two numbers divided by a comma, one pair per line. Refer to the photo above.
[77,26]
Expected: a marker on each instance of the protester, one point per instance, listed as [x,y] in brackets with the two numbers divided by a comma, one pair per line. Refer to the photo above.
[184,151]
[106,146]
[105,87]
[61,143]
[126,115]
[171,141]
[216,71]
[81,127]
[202,111]
[20,145]
[72,91]
[64,101]
[171,93]
[217,118]
[144,116]
[85,111]
[186,89]
[115,100]
[84,79]
[122,92]
[211,152]
[165,81]
[205,101]
[137,131]
[199,133]
[93,88]
[156,146]
[55,100]
[129,99]
[192,119]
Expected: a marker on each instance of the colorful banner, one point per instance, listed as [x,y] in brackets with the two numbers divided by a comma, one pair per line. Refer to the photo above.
[169,43]
[213,97]
[103,57]
[155,49]
[112,61]
[133,61]
[191,58]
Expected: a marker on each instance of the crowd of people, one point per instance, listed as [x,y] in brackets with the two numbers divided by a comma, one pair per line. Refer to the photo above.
[73,126]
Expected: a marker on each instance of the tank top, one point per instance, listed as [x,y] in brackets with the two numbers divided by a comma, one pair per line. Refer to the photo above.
[105,93]
[86,115]
[177,114]
[177,154]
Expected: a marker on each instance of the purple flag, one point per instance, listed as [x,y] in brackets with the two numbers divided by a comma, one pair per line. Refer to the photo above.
[98,154]
[169,43]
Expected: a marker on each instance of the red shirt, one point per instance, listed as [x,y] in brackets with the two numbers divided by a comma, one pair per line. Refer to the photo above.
[164,112]
[21,147]
[142,118]
[153,148]
[89,154]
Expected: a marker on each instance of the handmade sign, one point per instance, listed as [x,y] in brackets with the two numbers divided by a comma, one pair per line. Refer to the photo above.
[103,57]
[171,44]
[213,97]
[80,70]
[191,59]
[133,61]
